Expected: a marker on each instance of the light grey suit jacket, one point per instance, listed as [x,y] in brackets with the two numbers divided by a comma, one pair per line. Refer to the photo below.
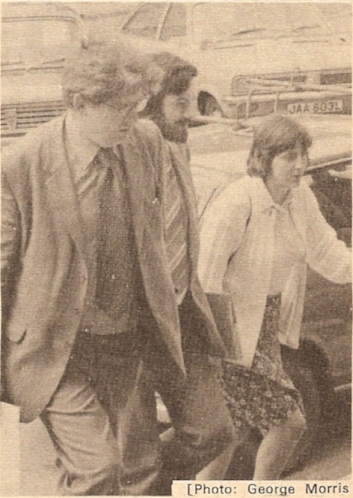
[44,271]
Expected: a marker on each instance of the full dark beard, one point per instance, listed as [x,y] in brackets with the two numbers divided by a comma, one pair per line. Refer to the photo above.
[177,132]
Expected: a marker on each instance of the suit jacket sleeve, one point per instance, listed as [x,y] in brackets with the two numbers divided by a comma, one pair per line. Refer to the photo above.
[10,242]
[222,229]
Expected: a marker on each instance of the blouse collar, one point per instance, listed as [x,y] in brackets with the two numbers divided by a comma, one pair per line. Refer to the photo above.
[263,199]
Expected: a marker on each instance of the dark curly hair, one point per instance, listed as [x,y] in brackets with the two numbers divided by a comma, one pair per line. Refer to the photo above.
[178,75]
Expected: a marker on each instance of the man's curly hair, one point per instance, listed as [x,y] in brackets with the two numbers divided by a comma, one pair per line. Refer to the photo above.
[178,75]
[100,71]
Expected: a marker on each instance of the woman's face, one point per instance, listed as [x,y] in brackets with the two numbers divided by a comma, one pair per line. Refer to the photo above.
[288,167]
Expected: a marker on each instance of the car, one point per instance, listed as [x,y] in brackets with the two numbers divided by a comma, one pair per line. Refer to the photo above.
[34,39]
[308,71]
[36,35]
[321,368]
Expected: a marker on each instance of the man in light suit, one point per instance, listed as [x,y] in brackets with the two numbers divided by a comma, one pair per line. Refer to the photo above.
[83,267]
[172,107]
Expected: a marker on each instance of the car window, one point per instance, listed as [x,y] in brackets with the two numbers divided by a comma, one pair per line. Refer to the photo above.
[175,22]
[146,20]
[334,195]
[24,41]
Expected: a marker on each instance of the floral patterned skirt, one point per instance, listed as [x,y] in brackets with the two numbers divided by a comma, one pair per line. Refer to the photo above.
[262,396]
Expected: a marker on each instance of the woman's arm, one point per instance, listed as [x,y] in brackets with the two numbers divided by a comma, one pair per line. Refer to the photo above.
[326,254]
[222,228]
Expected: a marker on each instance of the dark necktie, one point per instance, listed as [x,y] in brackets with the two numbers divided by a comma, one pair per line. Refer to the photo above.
[115,285]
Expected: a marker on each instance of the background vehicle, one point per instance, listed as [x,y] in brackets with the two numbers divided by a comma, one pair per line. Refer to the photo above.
[321,367]
[34,39]
[309,70]
[230,43]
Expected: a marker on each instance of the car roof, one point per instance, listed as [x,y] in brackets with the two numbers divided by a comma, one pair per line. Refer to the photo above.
[28,10]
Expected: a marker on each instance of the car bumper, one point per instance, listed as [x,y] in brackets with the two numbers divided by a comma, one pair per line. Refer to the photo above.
[293,103]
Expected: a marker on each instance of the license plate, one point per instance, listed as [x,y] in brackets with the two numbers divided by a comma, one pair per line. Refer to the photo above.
[318,107]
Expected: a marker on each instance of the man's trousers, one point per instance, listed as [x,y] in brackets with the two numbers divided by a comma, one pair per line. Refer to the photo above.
[102,420]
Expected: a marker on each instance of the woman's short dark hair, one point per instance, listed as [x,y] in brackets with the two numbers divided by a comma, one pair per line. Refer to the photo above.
[102,70]
[274,135]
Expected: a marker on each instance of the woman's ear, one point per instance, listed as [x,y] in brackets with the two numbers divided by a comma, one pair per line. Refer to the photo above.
[255,161]
[260,163]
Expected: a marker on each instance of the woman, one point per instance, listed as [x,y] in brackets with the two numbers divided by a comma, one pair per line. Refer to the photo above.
[257,238]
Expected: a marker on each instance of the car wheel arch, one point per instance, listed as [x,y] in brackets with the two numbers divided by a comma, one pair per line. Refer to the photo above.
[312,354]
[309,370]
[206,96]
[310,350]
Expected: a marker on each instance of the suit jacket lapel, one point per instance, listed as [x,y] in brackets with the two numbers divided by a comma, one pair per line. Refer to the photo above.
[61,191]
[183,171]
[136,162]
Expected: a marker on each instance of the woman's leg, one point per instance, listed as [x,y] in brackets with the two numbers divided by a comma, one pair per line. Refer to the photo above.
[217,469]
[278,446]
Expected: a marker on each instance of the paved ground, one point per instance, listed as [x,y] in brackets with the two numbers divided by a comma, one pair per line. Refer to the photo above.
[38,471]
[331,459]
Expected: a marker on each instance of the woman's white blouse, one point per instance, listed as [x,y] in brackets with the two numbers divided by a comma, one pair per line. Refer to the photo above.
[238,256]
[289,247]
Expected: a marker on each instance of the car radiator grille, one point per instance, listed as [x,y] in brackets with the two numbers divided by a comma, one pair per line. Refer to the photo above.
[17,119]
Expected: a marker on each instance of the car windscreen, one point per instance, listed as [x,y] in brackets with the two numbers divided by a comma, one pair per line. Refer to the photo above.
[146,20]
[30,42]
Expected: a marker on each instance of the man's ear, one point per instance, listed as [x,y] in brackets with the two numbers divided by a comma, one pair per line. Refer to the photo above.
[78,102]
[155,74]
